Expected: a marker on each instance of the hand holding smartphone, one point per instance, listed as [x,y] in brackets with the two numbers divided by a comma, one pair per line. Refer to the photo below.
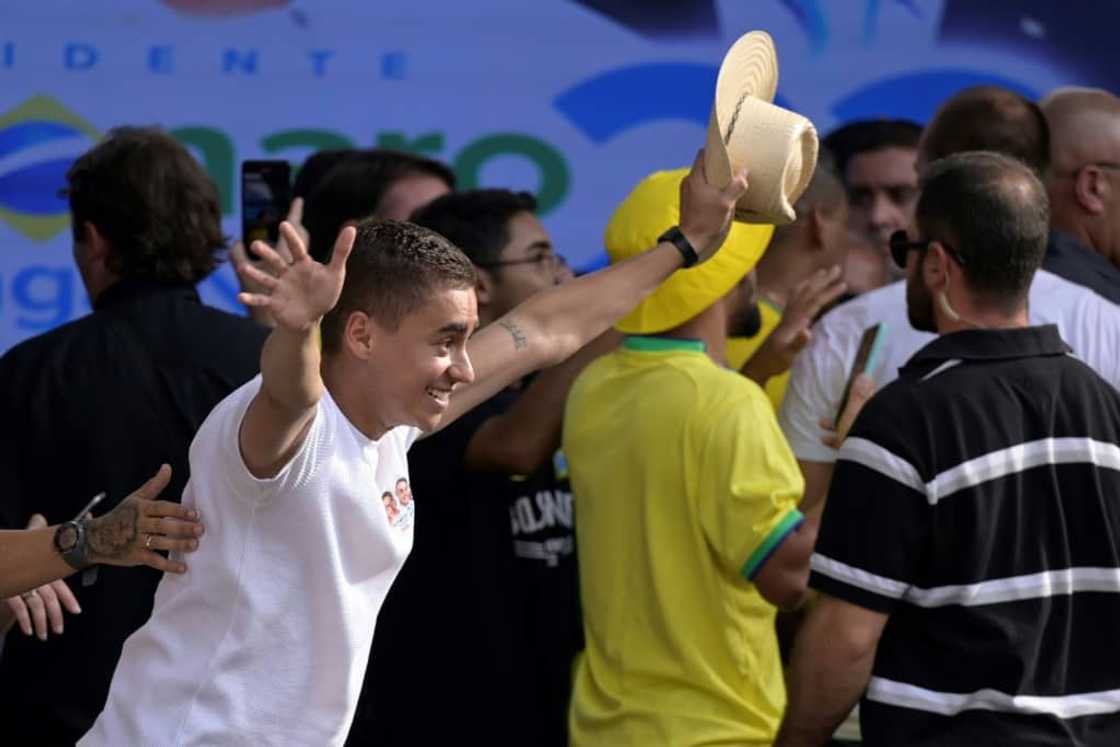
[266,193]
[867,360]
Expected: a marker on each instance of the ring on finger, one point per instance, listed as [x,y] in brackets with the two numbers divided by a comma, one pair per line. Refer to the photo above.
[148,542]
[27,596]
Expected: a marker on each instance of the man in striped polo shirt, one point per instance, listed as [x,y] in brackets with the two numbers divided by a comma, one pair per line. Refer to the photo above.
[968,555]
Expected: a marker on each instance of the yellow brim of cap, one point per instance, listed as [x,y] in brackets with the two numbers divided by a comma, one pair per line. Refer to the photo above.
[647,212]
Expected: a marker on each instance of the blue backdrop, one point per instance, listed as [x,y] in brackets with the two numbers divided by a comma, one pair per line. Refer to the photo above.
[572,100]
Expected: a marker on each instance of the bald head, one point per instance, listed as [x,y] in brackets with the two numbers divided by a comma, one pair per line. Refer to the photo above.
[1084,127]
[1085,180]
[991,119]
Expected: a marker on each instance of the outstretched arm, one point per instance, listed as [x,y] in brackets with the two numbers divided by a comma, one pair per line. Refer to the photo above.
[553,325]
[297,296]
[28,558]
[524,437]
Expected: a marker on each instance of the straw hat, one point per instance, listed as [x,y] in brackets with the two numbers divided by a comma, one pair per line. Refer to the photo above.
[652,207]
[746,129]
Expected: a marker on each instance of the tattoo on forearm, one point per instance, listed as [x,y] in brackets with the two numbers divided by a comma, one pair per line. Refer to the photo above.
[519,339]
[111,535]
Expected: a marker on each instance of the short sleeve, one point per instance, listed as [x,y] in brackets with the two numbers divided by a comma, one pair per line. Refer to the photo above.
[816,385]
[300,468]
[871,543]
[751,484]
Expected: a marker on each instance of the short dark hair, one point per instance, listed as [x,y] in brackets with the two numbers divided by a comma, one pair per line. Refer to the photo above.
[867,135]
[993,119]
[152,201]
[391,271]
[354,189]
[993,210]
[476,221]
[316,167]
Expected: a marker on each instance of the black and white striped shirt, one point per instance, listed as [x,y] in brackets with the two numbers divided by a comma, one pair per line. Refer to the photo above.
[977,503]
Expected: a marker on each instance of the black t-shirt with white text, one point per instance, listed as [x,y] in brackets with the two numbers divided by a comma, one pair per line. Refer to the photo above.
[478,632]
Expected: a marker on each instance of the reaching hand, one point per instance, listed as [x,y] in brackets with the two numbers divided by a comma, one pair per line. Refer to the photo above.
[707,210]
[37,608]
[299,292]
[140,525]
[241,260]
[130,534]
[863,387]
[776,354]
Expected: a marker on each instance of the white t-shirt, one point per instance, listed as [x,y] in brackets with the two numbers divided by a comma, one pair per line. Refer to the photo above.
[1088,323]
[265,639]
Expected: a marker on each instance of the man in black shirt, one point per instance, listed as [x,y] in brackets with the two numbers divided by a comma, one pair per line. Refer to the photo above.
[477,636]
[97,404]
[968,557]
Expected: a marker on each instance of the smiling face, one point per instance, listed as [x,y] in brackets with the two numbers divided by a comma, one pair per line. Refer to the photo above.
[404,493]
[390,505]
[415,368]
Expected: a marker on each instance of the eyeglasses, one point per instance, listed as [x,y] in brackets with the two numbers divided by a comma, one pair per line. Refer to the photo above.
[901,245]
[549,260]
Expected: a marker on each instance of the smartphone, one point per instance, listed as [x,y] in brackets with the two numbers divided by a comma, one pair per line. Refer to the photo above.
[867,360]
[266,193]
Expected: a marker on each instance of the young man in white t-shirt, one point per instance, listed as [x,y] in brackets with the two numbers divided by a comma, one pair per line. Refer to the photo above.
[266,640]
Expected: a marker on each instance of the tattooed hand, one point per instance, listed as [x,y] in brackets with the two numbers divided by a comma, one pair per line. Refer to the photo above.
[131,533]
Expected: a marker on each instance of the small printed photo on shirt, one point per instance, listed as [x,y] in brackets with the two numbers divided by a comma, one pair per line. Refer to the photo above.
[392,509]
[398,504]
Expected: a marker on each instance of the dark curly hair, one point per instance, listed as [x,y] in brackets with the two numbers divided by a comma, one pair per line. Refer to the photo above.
[152,201]
[392,270]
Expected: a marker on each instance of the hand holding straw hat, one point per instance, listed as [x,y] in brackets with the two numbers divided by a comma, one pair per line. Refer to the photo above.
[747,130]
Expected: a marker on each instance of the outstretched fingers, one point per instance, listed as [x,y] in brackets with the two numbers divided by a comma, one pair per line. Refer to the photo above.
[270,257]
[342,247]
[254,299]
[258,276]
[294,242]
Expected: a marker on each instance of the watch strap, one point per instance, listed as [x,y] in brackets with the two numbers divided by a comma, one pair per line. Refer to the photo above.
[76,554]
[675,237]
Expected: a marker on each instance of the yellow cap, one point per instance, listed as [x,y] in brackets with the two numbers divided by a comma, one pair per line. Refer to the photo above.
[647,212]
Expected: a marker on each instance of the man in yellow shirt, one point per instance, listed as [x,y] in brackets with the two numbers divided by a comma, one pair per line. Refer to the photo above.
[798,276]
[686,511]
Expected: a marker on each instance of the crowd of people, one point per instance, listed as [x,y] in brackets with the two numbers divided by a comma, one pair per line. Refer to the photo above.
[432,488]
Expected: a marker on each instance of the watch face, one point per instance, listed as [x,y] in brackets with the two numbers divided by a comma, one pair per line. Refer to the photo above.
[66,538]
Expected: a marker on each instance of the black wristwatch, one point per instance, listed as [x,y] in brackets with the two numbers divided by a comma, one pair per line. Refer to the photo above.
[70,542]
[679,240]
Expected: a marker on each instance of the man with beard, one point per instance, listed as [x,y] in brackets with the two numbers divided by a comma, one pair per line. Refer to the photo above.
[970,517]
[875,159]
[686,510]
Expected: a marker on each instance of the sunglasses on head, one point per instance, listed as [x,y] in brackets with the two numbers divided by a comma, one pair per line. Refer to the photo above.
[901,245]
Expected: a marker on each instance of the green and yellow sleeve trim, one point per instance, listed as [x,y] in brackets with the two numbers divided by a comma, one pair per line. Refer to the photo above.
[758,558]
